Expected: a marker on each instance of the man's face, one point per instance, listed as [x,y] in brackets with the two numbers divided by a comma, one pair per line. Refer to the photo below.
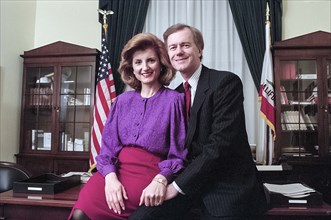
[183,52]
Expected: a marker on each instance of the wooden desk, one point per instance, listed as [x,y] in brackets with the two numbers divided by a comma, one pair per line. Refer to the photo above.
[38,206]
[58,207]
[302,213]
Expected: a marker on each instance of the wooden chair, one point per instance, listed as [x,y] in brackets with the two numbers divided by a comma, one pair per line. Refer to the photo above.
[9,173]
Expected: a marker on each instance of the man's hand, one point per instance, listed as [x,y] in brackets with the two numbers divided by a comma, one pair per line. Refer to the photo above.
[171,192]
[115,193]
[154,193]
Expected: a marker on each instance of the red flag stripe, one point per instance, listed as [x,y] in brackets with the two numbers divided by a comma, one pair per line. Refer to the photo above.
[104,95]
[268,113]
[104,98]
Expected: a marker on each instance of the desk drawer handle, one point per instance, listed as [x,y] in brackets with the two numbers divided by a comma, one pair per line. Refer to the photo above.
[35,197]
[299,201]
[35,188]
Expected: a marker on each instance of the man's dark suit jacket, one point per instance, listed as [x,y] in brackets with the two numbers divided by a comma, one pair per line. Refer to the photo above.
[221,168]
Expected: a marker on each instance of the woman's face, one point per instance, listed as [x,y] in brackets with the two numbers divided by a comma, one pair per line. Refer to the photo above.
[146,67]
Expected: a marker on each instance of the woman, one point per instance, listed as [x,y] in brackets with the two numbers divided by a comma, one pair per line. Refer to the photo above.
[143,139]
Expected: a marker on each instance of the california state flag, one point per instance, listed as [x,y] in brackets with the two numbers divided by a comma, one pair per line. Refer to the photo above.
[267,93]
[267,99]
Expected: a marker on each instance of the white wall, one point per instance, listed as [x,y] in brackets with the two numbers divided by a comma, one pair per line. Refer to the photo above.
[26,25]
[305,16]
[17,35]
[70,21]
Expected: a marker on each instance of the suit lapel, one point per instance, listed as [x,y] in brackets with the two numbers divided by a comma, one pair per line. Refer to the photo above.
[200,95]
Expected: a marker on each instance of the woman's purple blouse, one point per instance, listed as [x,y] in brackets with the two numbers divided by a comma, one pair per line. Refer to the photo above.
[156,124]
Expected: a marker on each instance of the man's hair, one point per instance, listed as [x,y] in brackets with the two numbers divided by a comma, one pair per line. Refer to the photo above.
[197,35]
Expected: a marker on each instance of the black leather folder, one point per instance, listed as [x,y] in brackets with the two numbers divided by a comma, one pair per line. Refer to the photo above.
[46,184]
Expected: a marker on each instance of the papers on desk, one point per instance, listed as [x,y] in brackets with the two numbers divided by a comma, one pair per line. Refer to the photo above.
[293,190]
[293,194]
[84,176]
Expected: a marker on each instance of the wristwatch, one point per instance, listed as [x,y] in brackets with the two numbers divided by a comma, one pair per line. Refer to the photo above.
[161,180]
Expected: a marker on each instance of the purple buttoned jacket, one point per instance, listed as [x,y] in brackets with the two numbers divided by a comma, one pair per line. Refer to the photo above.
[156,124]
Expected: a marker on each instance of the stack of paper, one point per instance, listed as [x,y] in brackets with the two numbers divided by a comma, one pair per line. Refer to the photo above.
[292,195]
[84,176]
[293,190]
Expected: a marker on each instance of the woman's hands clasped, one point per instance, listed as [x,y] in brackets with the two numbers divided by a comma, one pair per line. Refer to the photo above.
[154,193]
[115,193]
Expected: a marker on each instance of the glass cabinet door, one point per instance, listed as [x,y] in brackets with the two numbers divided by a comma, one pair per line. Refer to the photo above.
[75,108]
[56,108]
[39,89]
[299,108]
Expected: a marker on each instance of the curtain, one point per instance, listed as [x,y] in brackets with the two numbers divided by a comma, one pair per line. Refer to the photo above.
[223,49]
[250,17]
[128,20]
[233,31]
[276,15]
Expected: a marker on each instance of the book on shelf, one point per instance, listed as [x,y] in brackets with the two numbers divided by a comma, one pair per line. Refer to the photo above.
[310,125]
[300,154]
[283,96]
[294,120]
[293,149]
[314,98]
[40,96]
[282,121]
[47,140]
[300,102]
[307,76]
[37,139]
[287,121]
[302,122]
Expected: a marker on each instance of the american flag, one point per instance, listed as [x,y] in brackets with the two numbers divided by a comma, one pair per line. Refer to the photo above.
[105,94]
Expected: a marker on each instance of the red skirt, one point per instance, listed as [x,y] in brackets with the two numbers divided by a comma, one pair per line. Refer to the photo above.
[136,170]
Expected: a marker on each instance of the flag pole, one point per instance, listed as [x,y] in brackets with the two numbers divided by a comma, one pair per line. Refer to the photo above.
[264,150]
[267,14]
[105,13]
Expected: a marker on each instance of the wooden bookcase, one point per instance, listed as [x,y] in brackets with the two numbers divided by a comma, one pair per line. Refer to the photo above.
[302,73]
[302,68]
[57,106]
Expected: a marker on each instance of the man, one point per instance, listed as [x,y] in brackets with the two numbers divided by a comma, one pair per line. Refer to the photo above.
[221,175]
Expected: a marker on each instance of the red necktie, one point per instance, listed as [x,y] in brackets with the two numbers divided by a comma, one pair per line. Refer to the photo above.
[187,99]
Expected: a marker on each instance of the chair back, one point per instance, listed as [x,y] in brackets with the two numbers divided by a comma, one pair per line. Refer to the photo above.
[9,173]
